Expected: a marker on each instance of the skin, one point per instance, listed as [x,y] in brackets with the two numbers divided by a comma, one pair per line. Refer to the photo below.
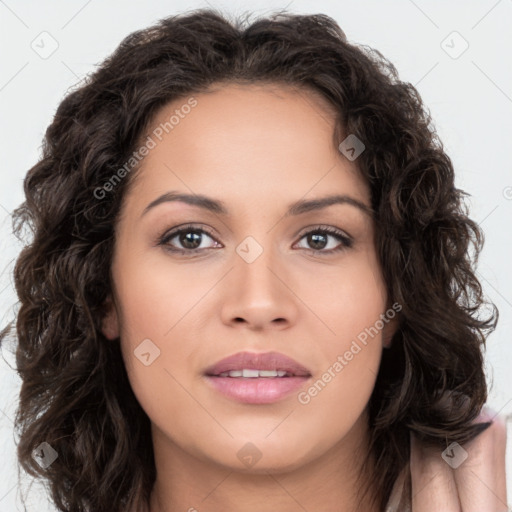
[199,309]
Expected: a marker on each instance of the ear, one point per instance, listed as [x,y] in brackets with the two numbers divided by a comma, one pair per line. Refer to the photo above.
[110,320]
[391,326]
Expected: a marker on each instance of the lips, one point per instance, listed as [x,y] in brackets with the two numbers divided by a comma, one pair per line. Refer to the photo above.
[268,361]
[257,379]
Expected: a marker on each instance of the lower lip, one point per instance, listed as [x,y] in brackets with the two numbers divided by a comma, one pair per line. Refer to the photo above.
[256,390]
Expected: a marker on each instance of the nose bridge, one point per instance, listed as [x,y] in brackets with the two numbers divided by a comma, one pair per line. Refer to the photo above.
[254,262]
[257,292]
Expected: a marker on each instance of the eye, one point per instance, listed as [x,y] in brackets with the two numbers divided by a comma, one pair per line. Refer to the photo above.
[319,239]
[189,240]
[190,237]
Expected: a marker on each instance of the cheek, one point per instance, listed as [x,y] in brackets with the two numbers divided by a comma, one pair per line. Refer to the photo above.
[332,408]
[153,308]
[156,295]
[158,366]
[347,299]
[350,303]
[338,395]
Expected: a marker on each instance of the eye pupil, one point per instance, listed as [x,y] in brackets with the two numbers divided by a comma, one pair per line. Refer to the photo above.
[316,238]
[189,238]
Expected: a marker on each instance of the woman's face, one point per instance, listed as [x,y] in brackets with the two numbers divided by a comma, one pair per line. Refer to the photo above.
[257,282]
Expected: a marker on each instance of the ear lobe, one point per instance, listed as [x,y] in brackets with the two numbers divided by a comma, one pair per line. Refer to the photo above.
[110,320]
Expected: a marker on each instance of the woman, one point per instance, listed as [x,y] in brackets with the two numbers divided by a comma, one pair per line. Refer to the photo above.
[250,277]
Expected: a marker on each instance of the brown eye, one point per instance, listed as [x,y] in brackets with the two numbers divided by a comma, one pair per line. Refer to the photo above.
[318,239]
[190,239]
[187,239]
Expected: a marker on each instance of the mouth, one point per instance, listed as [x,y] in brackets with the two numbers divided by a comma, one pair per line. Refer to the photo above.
[254,378]
[248,373]
[257,365]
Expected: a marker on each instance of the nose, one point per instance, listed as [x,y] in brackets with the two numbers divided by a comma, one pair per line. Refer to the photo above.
[258,292]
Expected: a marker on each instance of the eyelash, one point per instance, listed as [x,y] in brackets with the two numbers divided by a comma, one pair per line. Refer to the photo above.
[346,242]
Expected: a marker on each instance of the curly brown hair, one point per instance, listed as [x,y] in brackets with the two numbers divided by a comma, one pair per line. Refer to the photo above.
[75,393]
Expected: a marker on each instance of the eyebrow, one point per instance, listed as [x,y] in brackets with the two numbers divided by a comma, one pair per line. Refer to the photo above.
[297,208]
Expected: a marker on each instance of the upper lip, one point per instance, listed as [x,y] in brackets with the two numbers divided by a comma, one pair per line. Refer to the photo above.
[258,361]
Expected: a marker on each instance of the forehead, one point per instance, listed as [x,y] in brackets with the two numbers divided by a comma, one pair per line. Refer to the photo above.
[247,141]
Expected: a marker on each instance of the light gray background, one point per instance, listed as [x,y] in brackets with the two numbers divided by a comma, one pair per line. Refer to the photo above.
[469,97]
